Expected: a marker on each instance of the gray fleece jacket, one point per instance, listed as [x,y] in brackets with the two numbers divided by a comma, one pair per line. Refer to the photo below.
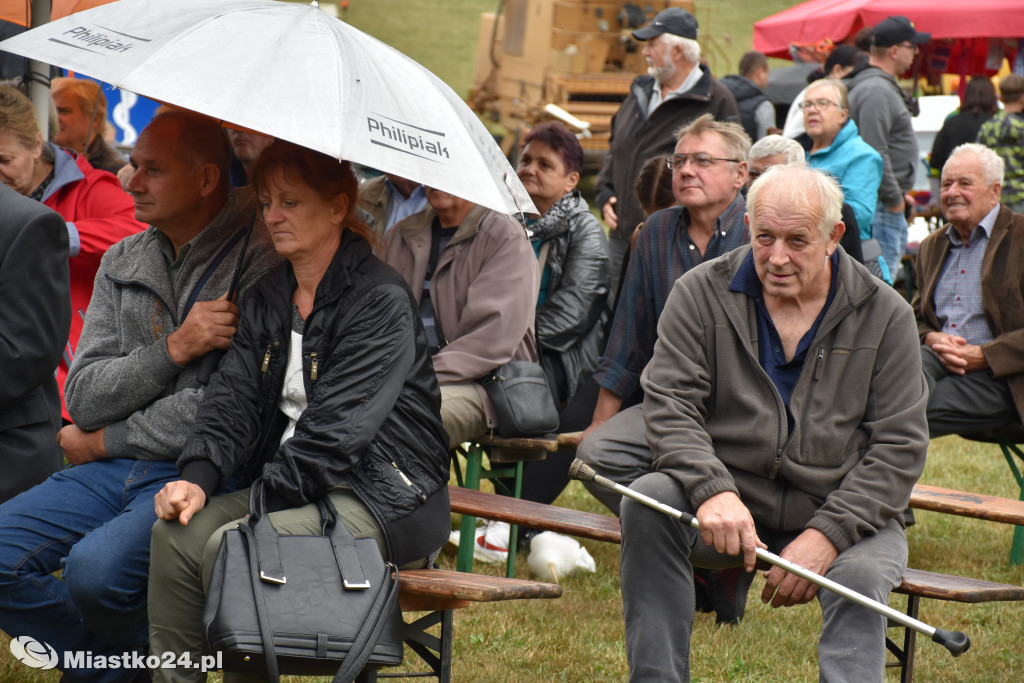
[716,422]
[123,378]
[880,111]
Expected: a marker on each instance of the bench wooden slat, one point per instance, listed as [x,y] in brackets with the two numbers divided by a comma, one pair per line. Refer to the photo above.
[548,445]
[967,504]
[535,515]
[605,528]
[442,583]
[956,588]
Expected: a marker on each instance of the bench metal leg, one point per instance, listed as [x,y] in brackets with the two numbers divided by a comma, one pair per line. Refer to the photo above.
[905,655]
[1009,451]
[434,651]
[474,473]
[467,535]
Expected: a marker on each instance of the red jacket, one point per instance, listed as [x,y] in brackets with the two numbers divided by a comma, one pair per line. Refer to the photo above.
[102,213]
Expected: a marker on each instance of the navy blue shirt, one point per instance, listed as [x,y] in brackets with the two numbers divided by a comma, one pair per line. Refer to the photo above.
[770,353]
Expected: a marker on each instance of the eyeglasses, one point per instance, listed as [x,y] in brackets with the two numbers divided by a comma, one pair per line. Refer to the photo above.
[820,105]
[910,46]
[700,160]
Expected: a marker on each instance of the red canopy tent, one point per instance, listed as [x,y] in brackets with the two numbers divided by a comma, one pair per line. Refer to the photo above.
[985,22]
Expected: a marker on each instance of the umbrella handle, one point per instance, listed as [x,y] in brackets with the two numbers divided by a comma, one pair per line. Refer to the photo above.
[208,363]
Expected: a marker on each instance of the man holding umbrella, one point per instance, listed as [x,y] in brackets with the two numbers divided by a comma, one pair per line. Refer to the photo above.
[132,391]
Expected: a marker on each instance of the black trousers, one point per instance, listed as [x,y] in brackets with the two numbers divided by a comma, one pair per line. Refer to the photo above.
[964,404]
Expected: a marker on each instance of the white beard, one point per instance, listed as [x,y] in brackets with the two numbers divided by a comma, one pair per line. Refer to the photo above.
[662,73]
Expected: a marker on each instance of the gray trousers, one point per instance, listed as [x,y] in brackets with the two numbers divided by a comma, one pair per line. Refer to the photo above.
[964,404]
[658,555]
[181,563]
[617,450]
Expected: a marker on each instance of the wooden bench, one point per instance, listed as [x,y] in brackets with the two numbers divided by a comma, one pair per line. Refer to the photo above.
[506,457]
[967,504]
[439,592]
[1010,440]
[916,584]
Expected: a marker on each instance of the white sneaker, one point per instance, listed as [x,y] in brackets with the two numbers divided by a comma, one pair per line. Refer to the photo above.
[491,542]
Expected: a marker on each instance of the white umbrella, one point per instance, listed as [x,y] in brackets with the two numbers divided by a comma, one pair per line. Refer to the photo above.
[291,71]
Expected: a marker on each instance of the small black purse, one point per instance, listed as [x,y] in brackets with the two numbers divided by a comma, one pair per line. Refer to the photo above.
[303,605]
[523,405]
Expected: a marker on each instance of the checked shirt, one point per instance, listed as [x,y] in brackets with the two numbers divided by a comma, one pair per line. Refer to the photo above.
[663,253]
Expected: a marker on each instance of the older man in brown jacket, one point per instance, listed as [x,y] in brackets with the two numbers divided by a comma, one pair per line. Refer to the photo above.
[475,277]
[969,303]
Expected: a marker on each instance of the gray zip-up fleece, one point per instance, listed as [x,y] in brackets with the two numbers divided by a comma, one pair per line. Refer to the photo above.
[716,422]
[123,377]
[881,114]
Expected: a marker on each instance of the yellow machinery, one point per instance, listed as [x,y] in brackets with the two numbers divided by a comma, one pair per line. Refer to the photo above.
[578,55]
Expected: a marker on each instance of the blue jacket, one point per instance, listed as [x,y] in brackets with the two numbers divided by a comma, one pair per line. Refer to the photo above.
[858,167]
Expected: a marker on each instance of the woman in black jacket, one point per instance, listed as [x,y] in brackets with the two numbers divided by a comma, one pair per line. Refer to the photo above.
[327,390]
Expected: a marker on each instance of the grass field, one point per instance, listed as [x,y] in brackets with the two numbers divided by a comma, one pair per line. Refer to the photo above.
[579,636]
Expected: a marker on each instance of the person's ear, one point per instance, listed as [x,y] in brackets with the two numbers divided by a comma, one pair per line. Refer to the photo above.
[209,178]
[833,240]
[571,181]
[741,175]
[339,209]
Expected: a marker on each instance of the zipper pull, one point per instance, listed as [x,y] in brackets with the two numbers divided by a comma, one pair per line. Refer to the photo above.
[820,367]
[401,473]
[266,357]
[313,366]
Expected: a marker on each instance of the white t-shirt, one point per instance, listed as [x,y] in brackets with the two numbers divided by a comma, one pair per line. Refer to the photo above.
[293,393]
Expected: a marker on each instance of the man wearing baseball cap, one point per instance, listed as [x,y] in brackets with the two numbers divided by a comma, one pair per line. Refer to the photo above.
[880,109]
[677,90]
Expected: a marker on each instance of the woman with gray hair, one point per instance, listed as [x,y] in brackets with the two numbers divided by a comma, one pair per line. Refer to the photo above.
[776,150]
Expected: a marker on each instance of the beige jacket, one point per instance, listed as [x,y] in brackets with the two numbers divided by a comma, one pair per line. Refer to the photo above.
[484,290]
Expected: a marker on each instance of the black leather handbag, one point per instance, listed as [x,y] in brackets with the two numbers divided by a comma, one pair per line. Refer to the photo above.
[304,605]
[522,399]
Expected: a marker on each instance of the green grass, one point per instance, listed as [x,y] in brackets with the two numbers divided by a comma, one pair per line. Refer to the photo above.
[579,637]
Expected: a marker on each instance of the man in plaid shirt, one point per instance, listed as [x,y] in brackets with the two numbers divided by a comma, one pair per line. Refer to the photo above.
[708,169]
[969,304]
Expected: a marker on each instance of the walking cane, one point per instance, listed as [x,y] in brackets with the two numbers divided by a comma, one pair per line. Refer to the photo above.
[954,641]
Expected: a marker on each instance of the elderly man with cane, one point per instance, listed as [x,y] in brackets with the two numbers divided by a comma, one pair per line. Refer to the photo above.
[786,410]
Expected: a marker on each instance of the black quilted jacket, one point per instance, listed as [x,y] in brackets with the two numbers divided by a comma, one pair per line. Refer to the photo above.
[372,422]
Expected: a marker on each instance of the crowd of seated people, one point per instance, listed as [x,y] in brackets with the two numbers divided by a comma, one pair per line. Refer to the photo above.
[725,314]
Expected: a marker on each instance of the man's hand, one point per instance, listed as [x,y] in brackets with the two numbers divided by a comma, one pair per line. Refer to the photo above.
[608,405]
[811,550]
[179,500]
[578,437]
[80,446]
[955,353]
[611,218]
[726,524]
[208,326]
